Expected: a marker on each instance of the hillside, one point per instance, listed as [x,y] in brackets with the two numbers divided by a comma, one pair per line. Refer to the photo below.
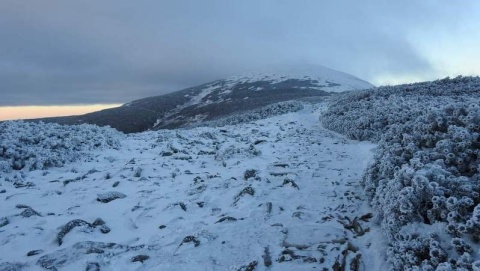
[221,98]
[268,193]
[275,194]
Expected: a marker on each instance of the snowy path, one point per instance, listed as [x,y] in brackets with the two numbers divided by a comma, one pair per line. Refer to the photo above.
[279,194]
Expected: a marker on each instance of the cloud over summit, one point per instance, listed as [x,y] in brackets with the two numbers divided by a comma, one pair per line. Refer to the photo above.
[58,52]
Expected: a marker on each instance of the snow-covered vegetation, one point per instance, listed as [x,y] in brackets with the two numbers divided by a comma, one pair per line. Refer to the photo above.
[424,182]
[26,145]
[262,192]
[274,194]
[221,98]
[253,115]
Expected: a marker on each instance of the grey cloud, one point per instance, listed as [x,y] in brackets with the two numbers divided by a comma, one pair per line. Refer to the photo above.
[60,52]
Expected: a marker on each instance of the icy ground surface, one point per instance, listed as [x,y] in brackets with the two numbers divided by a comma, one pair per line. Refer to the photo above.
[277,194]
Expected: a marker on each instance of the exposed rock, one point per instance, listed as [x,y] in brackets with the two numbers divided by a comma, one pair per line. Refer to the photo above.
[247,190]
[4,222]
[138,172]
[183,206]
[288,255]
[140,258]
[182,157]
[93,266]
[197,190]
[136,207]
[311,235]
[72,180]
[198,180]
[298,214]
[109,196]
[28,212]
[69,226]
[104,229]
[267,259]
[353,225]
[19,184]
[94,250]
[3,191]
[226,218]
[191,239]
[309,260]
[115,184]
[366,217]
[98,222]
[56,260]
[355,263]
[251,173]
[279,174]
[250,267]
[291,182]
[202,152]
[11,266]
[269,207]
[34,252]
[81,223]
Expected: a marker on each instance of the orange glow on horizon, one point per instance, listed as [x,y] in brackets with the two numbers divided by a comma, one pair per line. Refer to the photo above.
[33,112]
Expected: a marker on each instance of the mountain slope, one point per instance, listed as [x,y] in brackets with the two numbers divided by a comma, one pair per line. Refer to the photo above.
[276,194]
[220,98]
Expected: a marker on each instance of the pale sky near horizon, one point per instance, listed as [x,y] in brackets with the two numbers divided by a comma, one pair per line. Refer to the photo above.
[35,111]
[57,52]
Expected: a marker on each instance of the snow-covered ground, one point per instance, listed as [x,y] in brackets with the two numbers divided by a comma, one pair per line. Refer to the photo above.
[277,194]
[324,78]
[313,76]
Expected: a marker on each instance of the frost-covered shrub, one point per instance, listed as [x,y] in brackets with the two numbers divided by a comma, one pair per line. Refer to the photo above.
[367,114]
[426,171]
[256,114]
[424,182]
[231,151]
[27,145]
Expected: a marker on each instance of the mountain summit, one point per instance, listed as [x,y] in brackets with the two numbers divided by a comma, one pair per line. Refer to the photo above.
[322,77]
[221,98]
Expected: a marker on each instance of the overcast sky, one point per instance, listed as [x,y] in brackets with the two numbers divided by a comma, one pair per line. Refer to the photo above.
[114,51]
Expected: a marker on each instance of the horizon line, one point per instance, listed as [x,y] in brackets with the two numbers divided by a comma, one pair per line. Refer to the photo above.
[22,112]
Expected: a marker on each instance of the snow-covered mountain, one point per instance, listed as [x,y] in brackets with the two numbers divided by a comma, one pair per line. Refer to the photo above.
[322,78]
[268,193]
[221,98]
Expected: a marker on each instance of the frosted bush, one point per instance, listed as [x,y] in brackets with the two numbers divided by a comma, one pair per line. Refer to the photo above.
[368,114]
[426,168]
[256,114]
[31,146]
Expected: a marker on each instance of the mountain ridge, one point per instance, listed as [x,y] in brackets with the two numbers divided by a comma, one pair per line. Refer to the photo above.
[220,98]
